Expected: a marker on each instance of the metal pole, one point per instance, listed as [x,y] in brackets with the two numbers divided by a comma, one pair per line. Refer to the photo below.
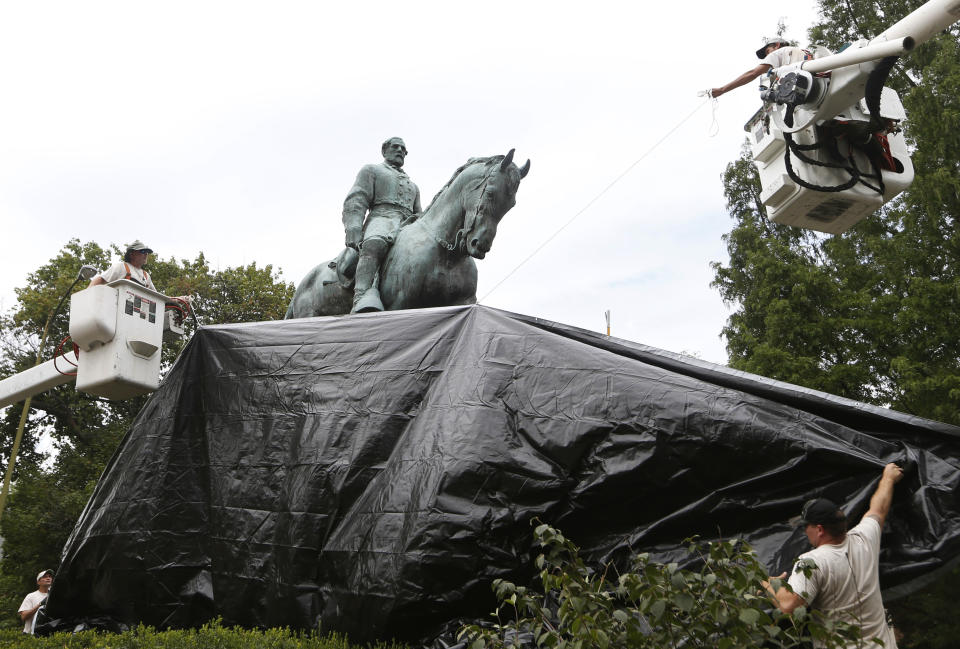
[866,53]
[23,422]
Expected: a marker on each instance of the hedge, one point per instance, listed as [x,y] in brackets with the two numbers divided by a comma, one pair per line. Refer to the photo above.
[210,636]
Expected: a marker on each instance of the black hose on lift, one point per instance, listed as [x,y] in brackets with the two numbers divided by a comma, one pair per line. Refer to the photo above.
[872,92]
[875,83]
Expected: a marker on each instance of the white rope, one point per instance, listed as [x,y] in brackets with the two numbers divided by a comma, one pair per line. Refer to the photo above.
[594,199]
[715,126]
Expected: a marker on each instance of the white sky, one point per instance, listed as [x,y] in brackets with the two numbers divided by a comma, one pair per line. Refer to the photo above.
[236,129]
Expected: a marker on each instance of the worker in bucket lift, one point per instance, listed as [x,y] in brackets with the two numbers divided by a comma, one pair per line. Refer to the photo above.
[130,268]
[775,53]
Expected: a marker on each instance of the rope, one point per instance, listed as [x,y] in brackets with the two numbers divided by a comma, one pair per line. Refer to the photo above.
[595,198]
[714,108]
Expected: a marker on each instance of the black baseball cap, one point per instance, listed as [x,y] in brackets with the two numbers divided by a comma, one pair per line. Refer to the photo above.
[819,511]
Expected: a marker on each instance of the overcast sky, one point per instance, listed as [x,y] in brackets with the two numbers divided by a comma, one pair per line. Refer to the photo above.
[237,128]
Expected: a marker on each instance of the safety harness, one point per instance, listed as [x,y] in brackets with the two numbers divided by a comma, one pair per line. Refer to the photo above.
[129,275]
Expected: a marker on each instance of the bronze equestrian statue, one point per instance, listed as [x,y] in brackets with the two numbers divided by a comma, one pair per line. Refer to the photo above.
[431,262]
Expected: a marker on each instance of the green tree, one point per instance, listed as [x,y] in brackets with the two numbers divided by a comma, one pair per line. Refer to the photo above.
[48,497]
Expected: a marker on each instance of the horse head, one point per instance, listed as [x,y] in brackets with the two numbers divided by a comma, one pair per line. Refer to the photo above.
[488,198]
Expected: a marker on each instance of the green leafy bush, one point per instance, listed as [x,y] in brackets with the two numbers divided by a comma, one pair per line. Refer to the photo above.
[210,636]
[654,605]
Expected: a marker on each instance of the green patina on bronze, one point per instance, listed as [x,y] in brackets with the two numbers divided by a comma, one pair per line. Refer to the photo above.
[407,259]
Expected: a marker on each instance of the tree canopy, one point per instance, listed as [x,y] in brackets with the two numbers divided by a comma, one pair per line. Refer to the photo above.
[51,489]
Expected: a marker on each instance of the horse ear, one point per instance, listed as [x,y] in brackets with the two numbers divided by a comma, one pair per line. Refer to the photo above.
[525,169]
[507,160]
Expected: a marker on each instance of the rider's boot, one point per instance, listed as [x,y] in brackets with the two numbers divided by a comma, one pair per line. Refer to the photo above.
[366,297]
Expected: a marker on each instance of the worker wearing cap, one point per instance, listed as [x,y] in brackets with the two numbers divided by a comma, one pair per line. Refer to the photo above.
[130,268]
[775,53]
[33,601]
[845,580]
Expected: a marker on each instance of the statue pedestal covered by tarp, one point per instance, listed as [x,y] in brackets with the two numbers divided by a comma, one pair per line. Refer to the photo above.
[375,473]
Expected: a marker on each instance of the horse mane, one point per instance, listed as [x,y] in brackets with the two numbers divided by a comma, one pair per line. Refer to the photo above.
[489,160]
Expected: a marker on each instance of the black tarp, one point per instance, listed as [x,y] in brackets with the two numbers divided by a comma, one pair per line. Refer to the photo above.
[375,473]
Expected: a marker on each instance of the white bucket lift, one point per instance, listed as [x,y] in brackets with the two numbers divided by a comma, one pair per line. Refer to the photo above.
[866,183]
[825,161]
[119,328]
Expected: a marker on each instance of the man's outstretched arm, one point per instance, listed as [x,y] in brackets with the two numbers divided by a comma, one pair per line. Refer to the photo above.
[742,80]
[883,497]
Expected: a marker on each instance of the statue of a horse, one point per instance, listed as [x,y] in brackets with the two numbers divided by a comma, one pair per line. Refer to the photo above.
[431,262]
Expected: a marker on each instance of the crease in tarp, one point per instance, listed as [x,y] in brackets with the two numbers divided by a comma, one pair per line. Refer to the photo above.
[374,474]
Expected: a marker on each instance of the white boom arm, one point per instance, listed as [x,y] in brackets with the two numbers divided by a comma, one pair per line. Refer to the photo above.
[924,23]
[915,28]
[854,56]
[33,381]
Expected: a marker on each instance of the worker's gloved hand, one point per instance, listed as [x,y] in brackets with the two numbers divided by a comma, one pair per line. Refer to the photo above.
[354,236]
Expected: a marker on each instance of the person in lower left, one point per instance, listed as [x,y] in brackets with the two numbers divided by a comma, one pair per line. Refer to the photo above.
[33,601]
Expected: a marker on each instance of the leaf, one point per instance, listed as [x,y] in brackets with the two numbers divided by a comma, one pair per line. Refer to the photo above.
[678,580]
[657,608]
[749,616]
[683,601]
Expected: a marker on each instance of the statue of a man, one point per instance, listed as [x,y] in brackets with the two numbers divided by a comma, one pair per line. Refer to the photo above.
[385,195]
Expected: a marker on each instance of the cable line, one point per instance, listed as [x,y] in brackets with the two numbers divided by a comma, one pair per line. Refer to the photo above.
[595,198]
